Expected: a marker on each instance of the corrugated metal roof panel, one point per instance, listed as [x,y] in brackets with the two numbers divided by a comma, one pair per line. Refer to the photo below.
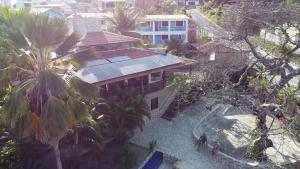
[97,62]
[94,74]
[118,58]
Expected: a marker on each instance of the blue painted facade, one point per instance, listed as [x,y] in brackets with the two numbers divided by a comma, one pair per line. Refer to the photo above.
[159,27]
[162,29]
[159,39]
[178,27]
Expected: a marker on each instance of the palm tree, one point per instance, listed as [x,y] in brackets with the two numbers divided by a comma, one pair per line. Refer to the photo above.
[126,112]
[42,103]
[123,20]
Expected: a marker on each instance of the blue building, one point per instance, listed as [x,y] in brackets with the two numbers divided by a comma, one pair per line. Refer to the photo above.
[162,28]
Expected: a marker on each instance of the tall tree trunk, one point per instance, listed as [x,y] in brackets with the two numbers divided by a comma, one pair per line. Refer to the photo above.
[55,145]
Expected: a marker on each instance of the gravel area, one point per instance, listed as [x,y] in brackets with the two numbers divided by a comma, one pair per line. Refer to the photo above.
[175,137]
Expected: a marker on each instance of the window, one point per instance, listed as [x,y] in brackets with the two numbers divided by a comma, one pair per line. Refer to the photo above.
[179,23]
[155,77]
[164,37]
[164,23]
[154,103]
[192,3]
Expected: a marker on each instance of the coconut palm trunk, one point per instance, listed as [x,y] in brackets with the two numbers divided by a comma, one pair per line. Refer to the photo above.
[43,103]
[55,145]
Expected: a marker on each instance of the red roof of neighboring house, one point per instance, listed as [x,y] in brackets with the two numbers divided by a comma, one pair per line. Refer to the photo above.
[105,38]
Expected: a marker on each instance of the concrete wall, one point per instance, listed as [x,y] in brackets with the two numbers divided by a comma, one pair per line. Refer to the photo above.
[165,97]
[84,25]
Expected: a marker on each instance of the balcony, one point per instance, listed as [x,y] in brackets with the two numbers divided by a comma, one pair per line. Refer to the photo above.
[161,29]
[140,85]
[145,28]
[153,87]
[178,28]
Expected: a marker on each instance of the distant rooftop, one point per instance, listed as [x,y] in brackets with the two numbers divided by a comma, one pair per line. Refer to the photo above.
[90,15]
[49,5]
[166,17]
[105,38]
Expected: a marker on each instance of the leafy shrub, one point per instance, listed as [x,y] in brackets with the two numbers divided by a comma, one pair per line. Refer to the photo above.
[9,155]
[128,159]
[204,37]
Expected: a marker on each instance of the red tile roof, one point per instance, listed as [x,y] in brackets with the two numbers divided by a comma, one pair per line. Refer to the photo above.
[105,38]
[133,53]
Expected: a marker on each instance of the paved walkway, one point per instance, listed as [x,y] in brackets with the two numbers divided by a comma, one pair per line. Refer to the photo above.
[229,125]
[219,34]
[175,137]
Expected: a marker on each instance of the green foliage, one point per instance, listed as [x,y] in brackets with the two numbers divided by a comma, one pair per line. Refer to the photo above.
[9,154]
[255,133]
[128,159]
[39,102]
[215,14]
[127,111]
[123,20]
[178,48]
[84,89]
[177,80]
[203,37]
[271,47]
[257,149]
[55,114]
[289,92]
[291,2]
[295,128]
[166,7]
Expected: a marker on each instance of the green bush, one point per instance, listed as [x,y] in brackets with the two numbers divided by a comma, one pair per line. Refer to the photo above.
[9,154]
[295,128]
[128,159]
[204,37]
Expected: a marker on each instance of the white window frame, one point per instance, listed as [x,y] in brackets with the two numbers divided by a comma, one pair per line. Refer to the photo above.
[150,80]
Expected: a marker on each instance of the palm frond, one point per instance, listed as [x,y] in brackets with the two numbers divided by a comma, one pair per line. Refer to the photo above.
[79,109]
[12,21]
[68,44]
[55,117]
[17,106]
[82,56]
[38,26]
[85,90]
[50,84]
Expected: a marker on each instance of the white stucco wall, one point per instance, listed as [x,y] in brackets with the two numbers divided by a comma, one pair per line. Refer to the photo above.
[165,97]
